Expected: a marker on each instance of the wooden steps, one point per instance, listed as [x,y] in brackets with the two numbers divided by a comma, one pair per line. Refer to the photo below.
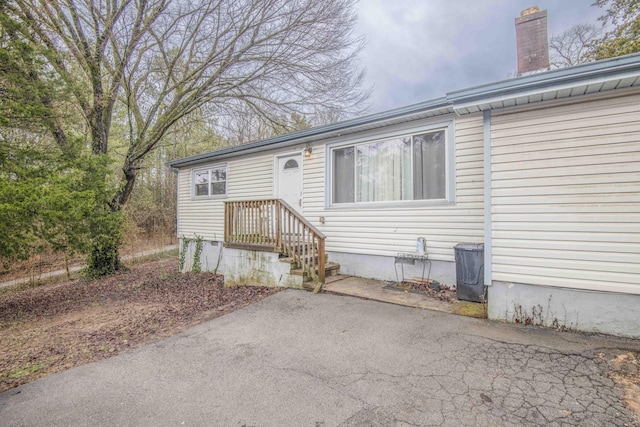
[291,260]
[330,269]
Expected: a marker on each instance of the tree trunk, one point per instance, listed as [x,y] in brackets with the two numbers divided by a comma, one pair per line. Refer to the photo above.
[124,192]
[104,258]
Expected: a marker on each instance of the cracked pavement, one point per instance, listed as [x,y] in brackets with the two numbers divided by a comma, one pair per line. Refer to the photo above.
[298,359]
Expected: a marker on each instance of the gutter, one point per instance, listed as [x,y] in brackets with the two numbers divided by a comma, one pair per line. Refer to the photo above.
[598,70]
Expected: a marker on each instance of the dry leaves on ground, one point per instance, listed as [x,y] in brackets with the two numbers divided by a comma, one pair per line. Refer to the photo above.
[444,293]
[53,327]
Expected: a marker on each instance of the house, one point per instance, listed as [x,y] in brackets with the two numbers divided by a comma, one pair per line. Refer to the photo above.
[543,169]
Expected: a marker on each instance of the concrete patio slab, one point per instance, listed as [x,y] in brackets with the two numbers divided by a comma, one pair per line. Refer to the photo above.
[378,290]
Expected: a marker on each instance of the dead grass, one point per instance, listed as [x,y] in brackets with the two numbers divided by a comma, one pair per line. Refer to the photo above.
[625,371]
[470,309]
[41,264]
[55,326]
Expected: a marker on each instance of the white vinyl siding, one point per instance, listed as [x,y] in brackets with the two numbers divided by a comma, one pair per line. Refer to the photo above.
[202,217]
[364,230]
[246,178]
[388,230]
[566,195]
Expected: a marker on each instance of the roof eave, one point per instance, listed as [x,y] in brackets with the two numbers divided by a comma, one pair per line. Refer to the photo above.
[463,101]
[590,73]
[320,132]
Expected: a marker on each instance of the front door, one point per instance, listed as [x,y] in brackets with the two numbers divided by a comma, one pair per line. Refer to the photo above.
[289,185]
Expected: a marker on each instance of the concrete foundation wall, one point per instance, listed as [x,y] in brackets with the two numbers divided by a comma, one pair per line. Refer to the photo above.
[263,268]
[242,267]
[210,257]
[383,268]
[580,310]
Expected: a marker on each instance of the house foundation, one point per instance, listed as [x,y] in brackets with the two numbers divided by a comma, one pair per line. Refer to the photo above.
[385,268]
[210,256]
[241,266]
[565,308]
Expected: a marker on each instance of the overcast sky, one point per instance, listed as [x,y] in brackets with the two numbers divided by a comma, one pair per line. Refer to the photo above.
[418,50]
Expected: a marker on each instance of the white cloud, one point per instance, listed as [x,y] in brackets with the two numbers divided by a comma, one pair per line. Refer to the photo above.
[419,50]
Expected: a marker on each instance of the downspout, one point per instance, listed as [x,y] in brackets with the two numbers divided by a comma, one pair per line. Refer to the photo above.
[486,126]
[177,172]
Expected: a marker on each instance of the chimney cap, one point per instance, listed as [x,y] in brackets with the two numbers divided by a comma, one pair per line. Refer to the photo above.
[529,11]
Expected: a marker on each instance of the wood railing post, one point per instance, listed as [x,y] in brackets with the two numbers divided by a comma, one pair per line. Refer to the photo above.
[321,260]
[226,222]
[278,211]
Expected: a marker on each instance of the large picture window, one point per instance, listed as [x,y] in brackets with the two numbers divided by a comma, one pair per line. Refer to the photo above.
[210,182]
[405,168]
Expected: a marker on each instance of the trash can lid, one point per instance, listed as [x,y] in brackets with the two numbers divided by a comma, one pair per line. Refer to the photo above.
[470,246]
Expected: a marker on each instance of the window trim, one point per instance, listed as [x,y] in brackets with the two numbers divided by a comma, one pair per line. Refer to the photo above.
[209,168]
[450,173]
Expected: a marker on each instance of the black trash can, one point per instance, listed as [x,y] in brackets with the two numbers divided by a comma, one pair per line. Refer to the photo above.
[469,271]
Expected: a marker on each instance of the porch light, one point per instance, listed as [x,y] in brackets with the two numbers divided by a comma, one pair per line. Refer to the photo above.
[307,151]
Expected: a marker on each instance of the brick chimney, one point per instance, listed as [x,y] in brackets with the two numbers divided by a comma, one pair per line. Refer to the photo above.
[532,41]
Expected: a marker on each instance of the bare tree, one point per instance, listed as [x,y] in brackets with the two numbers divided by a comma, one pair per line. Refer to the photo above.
[574,46]
[245,126]
[164,59]
[161,60]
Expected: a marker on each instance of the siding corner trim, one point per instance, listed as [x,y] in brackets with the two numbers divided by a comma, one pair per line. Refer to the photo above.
[486,128]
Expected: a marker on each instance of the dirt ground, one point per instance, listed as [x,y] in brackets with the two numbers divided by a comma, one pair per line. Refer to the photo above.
[48,261]
[52,327]
[624,369]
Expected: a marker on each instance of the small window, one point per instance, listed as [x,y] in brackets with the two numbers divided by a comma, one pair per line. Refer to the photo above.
[291,164]
[210,182]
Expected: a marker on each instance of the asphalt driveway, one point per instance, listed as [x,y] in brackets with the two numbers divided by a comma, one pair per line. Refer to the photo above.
[299,359]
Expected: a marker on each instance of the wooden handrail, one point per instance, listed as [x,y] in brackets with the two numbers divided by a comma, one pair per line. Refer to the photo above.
[273,224]
[302,219]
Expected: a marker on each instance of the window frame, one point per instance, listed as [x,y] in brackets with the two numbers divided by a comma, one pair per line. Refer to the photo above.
[209,169]
[447,127]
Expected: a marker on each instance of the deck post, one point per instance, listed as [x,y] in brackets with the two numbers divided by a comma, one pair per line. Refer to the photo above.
[278,210]
[321,260]
[227,222]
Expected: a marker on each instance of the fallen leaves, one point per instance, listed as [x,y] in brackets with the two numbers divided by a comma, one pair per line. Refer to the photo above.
[56,326]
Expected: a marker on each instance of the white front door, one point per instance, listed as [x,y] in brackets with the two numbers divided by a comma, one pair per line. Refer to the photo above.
[289,180]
